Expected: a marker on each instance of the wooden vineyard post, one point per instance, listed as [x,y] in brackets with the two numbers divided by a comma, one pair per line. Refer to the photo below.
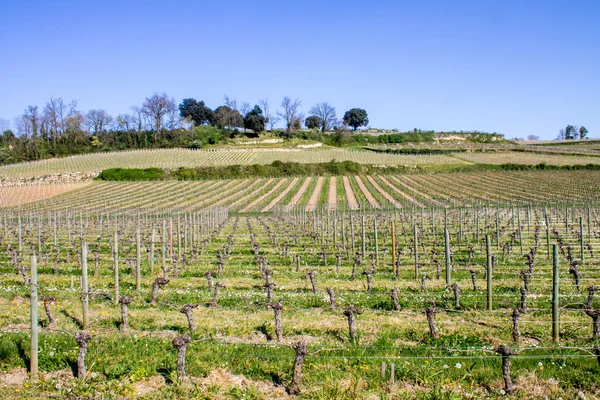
[394,246]
[116,265]
[416,240]
[352,234]
[164,245]
[152,248]
[376,240]
[489,272]
[582,240]
[364,237]
[85,298]
[555,298]
[138,261]
[519,228]
[589,225]
[548,234]
[497,230]
[447,248]
[171,239]
[34,318]
[20,235]
[460,226]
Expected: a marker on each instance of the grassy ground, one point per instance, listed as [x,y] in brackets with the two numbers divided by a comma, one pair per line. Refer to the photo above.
[234,354]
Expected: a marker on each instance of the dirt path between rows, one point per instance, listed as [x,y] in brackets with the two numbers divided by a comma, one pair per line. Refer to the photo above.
[350,197]
[250,195]
[316,194]
[361,185]
[281,195]
[296,199]
[385,194]
[407,187]
[332,195]
[264,196]
[400,192]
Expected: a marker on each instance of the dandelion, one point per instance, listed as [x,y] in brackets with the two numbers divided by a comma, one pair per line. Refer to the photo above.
[540,364]
[458,366]
[445,366]
[502,392]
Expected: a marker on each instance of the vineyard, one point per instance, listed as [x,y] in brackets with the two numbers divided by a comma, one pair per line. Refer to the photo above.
[408,285]
[175,158]
[432,293]
[346,192]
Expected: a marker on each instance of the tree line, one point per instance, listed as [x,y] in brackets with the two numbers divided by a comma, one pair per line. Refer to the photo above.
[60,128]
[572,132]
[160,112]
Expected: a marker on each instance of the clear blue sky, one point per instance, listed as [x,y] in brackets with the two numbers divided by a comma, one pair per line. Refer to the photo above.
[518,67]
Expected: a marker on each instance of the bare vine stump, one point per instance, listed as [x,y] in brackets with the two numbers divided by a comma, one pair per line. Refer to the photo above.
[269,289]
[526,274]
[590,299]
[595,315]
[573,271]
[312,275]
[474,278]
[268,274]
[181,344]
[331,293]
[430,313]
[523,300]
[506,352]
[515,318]
[454,288]
[209,279]
[394,296]
[82,338]
[369,274]
[301,353]
[277,307]
[215,300]
[351,313]
[187,310]
[49,300]
[125,302]
[159,283]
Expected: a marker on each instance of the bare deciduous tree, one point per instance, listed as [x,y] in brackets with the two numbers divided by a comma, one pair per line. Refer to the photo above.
[272,119]
[97,121]
[291,113]
[157,107]
[326,113]
[58,116]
